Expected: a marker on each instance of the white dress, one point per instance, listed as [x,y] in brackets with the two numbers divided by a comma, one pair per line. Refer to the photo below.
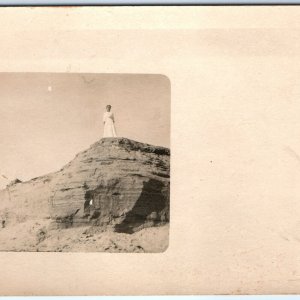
[109,126]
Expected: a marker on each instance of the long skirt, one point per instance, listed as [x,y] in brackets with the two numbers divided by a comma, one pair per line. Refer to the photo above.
[109,128]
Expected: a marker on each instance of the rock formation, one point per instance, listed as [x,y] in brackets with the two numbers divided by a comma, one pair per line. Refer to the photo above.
[116,183]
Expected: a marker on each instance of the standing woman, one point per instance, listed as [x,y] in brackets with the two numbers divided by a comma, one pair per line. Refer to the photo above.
[109,123]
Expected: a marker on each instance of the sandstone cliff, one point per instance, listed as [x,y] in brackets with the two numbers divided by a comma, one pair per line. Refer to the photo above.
[116,183]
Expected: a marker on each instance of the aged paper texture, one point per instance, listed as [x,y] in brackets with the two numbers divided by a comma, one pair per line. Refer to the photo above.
[235,143]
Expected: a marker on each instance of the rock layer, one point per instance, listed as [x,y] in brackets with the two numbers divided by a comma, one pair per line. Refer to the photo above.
[117,182]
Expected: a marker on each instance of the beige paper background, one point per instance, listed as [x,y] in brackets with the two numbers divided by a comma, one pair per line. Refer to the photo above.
[235,132]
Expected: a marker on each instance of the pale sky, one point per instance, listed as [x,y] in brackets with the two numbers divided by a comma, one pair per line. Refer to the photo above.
[46,119]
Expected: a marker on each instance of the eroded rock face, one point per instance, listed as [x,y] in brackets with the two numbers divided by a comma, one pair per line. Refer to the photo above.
[117,182]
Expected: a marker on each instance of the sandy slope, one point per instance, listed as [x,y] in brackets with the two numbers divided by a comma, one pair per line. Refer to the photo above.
[35,235]
[115,183]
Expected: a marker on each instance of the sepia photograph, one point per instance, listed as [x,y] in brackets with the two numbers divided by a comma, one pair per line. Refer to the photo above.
[85,162]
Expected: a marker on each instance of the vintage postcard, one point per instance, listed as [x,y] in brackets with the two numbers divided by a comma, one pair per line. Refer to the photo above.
[149,150]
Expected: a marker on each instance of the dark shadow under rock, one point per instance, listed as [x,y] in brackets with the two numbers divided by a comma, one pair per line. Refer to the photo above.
[150,209]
